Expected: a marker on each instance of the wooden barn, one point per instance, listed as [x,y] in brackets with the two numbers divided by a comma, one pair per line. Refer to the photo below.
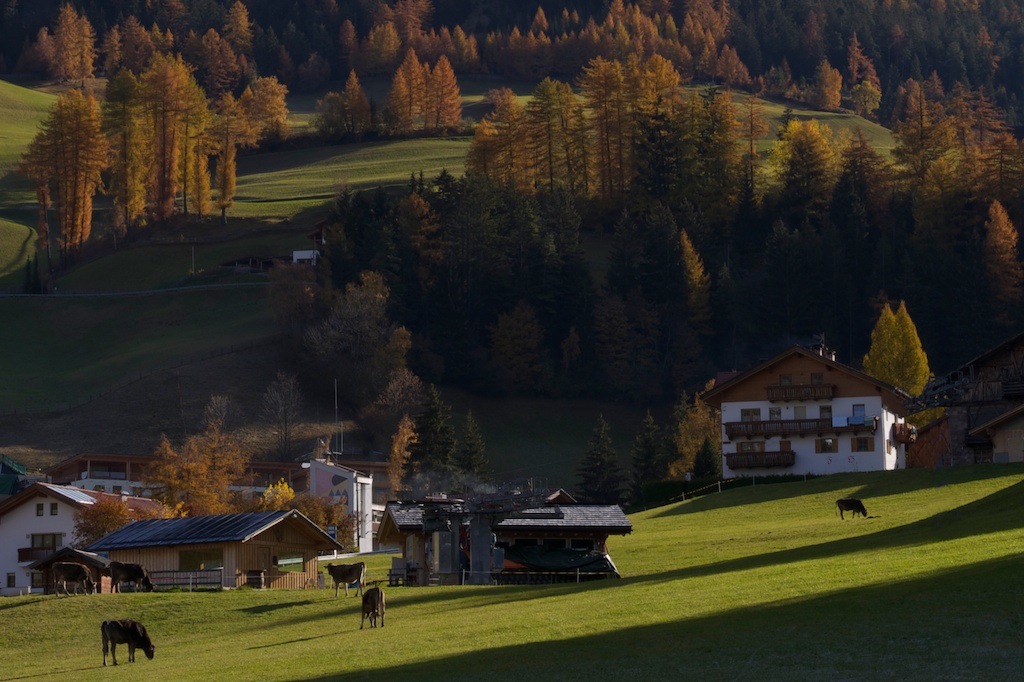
[95,565]
[275,549]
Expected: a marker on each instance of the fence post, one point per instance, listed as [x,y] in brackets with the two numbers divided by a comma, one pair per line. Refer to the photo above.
[719,486]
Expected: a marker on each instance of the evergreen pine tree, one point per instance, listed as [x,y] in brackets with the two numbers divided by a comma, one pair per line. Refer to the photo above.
[434,454]
[708,462]
[469,455]
[599,474]
[646,458]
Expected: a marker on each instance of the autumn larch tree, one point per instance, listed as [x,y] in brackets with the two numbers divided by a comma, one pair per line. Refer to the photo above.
[896,355]
[232,128]
[194,171]
[124,124]
[828,87]
[107,514]
[74,46]
[237,29]
[165,85]
[402,443]
[602,86]
[265,104]
[443,106]
[195,479]
[405,101]
[69,152]
[355,107]
[1003,267]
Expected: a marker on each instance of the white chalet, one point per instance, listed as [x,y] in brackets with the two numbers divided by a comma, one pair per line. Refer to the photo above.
[802,412]
[39,521]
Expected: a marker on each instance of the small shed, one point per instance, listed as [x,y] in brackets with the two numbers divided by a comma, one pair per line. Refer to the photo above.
[276,549]
[97,566]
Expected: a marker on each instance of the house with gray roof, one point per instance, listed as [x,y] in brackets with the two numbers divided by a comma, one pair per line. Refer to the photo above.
[558,542]
[276,549]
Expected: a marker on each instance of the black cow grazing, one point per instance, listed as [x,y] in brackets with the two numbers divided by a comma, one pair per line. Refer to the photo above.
[65,572]
[343,574]
[125,631]
[373,606]
[128,573]
[851,504]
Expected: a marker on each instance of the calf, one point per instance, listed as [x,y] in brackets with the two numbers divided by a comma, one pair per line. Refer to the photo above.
[66,571]
[373,606]
[343,574]
[851,504]
[125,631]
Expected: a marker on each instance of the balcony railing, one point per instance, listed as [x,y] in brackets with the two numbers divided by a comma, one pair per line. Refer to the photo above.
[750,460]
[801,392]
[799,427]
[26,554]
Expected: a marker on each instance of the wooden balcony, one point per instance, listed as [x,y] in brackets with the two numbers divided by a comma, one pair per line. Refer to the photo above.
[801,392]
[751,460]
[1013,390]
[904,433]
[26,554]
[797,427]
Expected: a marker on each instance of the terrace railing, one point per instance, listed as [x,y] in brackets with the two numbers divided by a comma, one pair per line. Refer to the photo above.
[751,460]
[799,427]
[801,392]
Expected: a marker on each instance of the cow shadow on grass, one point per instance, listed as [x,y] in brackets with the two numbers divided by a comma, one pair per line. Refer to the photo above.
[267,608]
[294,641]
[881,631]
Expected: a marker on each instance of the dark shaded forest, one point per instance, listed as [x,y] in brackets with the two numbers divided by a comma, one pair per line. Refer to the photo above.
[658,244]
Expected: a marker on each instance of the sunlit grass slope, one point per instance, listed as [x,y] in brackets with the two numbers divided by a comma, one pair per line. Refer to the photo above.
[21,110]
[765,583]
[282,184]
[59,351]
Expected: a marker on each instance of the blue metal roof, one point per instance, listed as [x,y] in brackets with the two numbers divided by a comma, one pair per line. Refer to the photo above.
[198,530]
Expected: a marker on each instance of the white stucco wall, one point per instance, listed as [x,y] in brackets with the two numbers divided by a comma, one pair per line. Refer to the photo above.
[16,529]
[885,455]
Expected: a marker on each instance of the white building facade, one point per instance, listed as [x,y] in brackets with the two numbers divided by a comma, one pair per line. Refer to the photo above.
[804,413]
[352,488]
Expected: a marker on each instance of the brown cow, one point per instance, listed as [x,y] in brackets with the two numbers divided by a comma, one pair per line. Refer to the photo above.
[125,631]
[343,574]
[373,606]
[128,573]
[66,571]
[851,504]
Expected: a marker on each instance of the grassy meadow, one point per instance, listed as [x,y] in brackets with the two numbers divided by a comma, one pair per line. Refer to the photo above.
[62,350]
[21,110]
[758,583]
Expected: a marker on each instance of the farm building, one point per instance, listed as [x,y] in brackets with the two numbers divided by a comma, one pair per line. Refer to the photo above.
[802,412]
[95,565]
[275,549]
[984,418]
[555,542]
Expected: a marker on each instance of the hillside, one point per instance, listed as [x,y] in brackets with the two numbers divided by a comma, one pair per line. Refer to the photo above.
[764,583]
[21,109]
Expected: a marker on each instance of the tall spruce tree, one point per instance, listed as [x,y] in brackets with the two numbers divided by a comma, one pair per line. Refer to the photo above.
[599,474]
[470,453]
[646,459]
[433,455]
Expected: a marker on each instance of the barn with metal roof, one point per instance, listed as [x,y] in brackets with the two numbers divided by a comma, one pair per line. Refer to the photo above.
[266,549]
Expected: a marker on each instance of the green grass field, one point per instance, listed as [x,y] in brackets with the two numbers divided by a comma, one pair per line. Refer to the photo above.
[285,184]
[157,266]
[21,110]
[758,583]
[60,351]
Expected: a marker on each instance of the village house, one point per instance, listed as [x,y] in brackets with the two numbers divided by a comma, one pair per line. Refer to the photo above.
[37,522]
[984,411]
[802,412]
[555,541]
[275,549]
